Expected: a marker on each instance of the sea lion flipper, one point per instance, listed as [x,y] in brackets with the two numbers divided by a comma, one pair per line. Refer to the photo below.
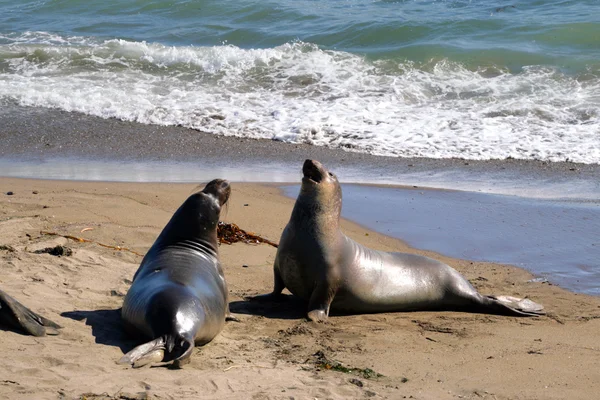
[320,301]
[518,306]
[278,287]
[232,318]
[187,345]
[22,317]
[144,354]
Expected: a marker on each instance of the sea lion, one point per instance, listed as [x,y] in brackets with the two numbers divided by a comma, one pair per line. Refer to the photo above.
[16,316]
[178,297]
[320,264]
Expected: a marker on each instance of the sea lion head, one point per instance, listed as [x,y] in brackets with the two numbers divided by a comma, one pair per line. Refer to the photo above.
[219,189]
[322,186]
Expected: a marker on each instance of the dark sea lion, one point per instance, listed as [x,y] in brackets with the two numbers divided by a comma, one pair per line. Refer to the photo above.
[178,297]
[20,318]
[320,264]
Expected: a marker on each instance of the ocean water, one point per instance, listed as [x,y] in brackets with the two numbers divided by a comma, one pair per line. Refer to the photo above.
[469,79]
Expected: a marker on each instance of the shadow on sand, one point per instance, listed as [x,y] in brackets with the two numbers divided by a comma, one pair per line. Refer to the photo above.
[286,307]
[107,327]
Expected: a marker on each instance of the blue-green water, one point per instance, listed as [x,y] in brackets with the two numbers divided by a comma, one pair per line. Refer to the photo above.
[469,79]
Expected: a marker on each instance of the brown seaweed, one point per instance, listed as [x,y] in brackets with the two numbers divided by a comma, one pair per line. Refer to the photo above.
[230,233]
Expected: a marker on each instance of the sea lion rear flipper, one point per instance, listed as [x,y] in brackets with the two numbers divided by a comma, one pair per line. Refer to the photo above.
[144,354]
[22,317]
[524,307]
[187,346]
[162,349]
[229,317]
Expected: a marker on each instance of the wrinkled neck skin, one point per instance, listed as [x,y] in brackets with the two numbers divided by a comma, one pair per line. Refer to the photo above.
[318,207]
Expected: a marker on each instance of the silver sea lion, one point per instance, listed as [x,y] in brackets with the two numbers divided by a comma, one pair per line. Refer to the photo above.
[320,264]
[178,297]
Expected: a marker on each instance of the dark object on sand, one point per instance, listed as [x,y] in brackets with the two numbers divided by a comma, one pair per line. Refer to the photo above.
[231,233]
[16,316]
[57,250]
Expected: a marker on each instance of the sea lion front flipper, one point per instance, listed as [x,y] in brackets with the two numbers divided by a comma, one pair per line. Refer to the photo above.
[278,287]
[524,307]
[19,316]
[320,301]
[148,353]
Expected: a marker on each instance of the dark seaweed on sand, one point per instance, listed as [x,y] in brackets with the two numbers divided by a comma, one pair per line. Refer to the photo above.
[231,233]
[323,362]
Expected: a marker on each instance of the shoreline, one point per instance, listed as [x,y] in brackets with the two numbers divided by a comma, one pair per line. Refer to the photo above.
[270,351]
[35,135]
[53,144]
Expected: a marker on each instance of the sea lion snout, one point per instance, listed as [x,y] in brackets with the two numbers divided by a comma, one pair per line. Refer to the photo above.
[219,188]
[313,170]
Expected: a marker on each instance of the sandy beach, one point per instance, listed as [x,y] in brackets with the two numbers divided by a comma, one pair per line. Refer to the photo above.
[274,353]
[463,131]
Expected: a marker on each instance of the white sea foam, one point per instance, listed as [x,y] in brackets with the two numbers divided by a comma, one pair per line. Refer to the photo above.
[300,93]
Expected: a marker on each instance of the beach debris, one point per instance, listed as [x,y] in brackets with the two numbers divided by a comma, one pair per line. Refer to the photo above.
[9,193]
[86,229]
[118,396]
[322,362]
[296,330]
[7,247]
[230,233]
[57,251]
[540,279]
[428,326]
[35,192]
[356,382]
[245,366]
[82,240]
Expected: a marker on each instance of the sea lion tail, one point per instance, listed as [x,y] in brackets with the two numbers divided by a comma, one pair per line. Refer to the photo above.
[22,317]
[515,306]
[184,349]
[163,349]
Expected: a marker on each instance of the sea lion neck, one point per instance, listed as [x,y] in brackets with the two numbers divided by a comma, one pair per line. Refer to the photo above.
[318,206]
[194,225]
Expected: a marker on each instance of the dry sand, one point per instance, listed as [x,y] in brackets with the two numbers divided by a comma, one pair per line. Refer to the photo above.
[271,353]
